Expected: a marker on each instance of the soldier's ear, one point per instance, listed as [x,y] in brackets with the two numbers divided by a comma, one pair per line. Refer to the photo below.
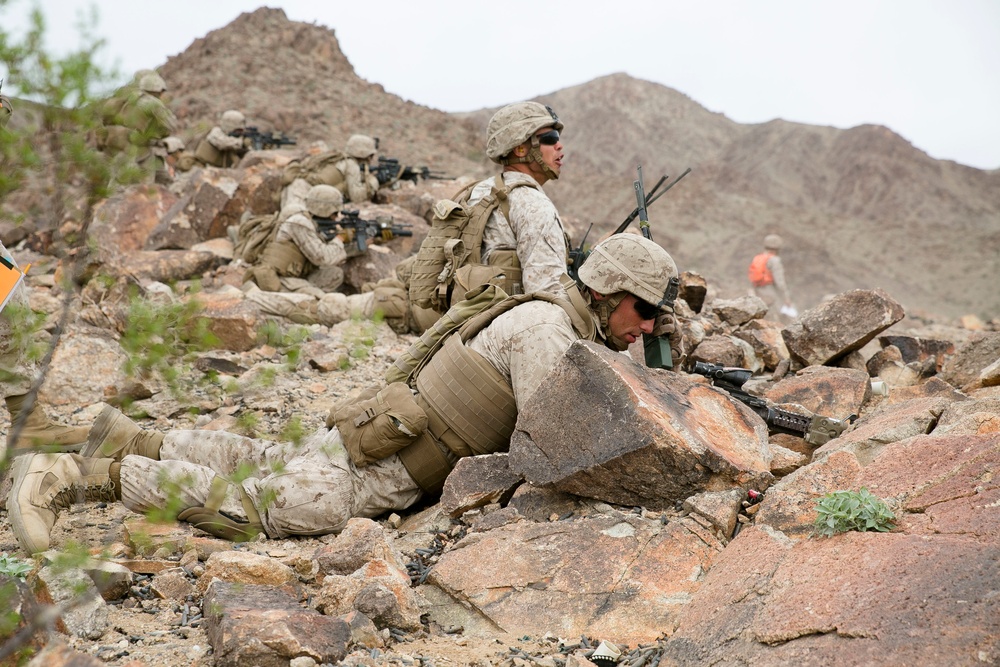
[521,151]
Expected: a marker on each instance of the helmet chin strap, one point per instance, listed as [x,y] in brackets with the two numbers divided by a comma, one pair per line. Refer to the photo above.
[534,155]
[604,309]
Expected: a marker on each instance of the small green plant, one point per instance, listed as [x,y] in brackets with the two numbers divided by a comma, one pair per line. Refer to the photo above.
[841,511]
[360,339]
[14,567]
[159,337]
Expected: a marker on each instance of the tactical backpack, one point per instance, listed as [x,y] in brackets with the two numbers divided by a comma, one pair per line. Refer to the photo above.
[316,169]
[253,235]
[452,251]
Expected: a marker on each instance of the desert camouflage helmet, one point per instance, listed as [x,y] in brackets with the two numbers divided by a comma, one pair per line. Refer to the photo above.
[232,120]
[324,200]
[151,82]
[514,124]
[360,146]
[634,264]
[773,242]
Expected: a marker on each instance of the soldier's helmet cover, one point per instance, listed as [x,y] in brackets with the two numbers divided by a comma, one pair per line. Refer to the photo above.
[324,201]
[151,82]
[514,124]
[360,146]
[232,120]
[630,263]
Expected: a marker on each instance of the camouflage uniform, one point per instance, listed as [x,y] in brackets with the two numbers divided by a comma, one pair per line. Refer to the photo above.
[467,393]
[534,231]
[219,148]
[359,184]
[318,488]
[297,250]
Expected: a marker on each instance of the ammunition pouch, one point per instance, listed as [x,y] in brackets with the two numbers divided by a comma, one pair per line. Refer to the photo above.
[286,259]
[208,154]
[503,270]
[378,427]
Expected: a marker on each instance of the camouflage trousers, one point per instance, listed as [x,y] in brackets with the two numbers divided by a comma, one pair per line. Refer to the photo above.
[305,488]
[328,310]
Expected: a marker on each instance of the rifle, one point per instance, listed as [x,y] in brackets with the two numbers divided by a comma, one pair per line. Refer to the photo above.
[389,169]
[262,140]
[578,255]
[816,430]
[361,230]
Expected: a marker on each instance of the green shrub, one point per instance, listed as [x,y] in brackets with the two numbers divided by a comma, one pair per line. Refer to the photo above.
[841,511]
[14,567]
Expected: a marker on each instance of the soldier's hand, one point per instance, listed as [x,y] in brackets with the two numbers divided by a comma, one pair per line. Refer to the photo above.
[346,236]
[666,323]
[668,326]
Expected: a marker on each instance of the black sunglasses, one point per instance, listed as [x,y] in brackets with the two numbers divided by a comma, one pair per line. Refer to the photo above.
[550,138]
[646,310]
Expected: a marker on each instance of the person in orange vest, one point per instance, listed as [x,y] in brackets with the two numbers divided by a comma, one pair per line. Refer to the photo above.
[767,280]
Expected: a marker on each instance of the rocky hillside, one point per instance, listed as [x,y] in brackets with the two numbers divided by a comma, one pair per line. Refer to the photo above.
[640,530]
[858,208]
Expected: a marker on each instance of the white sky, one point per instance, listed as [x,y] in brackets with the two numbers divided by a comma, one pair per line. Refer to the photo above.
[927,69]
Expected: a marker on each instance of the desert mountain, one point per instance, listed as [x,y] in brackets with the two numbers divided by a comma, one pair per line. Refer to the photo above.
[858,208]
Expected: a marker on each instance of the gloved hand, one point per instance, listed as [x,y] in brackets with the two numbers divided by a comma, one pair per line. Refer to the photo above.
[668,325]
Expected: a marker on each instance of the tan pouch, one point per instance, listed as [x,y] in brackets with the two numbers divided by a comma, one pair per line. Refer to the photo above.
[506,276]
[378,427]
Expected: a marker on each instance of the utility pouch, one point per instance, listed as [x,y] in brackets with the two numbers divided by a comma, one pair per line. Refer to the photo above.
[380,426]
[504,271]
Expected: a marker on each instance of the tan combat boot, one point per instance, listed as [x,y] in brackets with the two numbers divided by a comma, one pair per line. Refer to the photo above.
[38,432]
[115,436]
[44,483]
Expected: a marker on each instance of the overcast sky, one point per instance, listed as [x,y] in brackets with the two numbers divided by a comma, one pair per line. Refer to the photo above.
[927,69]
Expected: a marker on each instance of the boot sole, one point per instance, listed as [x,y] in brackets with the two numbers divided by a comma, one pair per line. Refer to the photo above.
[18,472]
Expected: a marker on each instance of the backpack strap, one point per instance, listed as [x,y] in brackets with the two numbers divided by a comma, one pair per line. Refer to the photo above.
[499,197]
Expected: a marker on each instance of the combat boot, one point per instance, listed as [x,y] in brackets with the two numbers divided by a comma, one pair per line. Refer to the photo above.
[115,436]
[45,483]
[38,432]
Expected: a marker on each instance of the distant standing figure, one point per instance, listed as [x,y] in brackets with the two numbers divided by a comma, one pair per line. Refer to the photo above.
[767,278]
[149,122]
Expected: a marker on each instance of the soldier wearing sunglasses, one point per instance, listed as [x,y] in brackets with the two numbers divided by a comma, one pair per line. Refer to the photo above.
[524,138]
